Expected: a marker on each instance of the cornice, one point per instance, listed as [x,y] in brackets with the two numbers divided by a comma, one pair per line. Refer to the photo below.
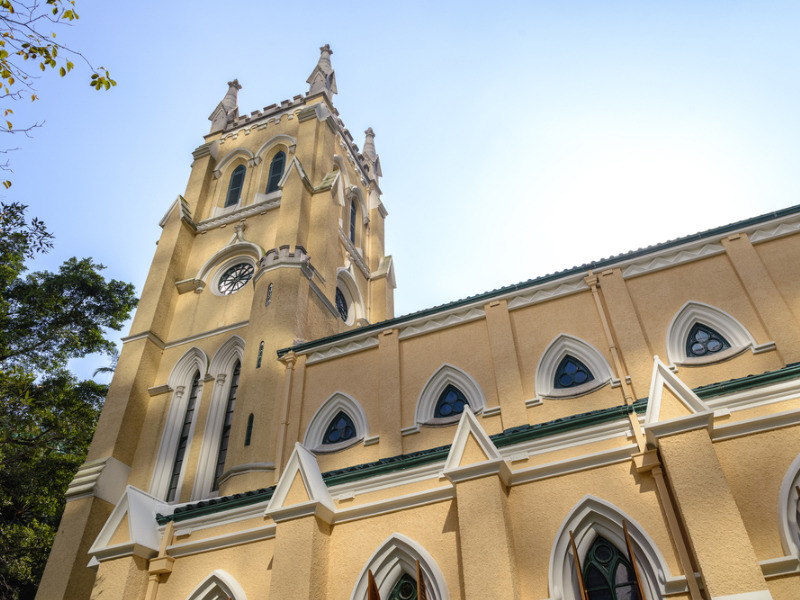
[241,213]
[645,259]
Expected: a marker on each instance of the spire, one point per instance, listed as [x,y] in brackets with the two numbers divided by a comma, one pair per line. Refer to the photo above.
[371,156]
[228,109]
[322,78]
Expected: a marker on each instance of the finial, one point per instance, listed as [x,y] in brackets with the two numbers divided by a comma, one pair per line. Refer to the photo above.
[322,78]
[371,157]
[228,109]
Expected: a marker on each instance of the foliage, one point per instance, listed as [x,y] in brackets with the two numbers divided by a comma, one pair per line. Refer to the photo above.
[47,416]
[28,45]
[45,430]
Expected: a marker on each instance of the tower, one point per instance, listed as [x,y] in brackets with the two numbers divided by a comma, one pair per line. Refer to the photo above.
[278,239]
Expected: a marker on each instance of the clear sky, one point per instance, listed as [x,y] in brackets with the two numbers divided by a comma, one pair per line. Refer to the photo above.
[516,138]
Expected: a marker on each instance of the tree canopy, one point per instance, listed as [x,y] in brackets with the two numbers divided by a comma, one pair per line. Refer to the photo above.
[47,416]
[29,47]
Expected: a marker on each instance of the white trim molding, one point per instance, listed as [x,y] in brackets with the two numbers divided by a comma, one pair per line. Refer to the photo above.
[566,345]
[221,368]
[395,557]
[593,517]
[325,414]
[180,380]
[789,510]
[436,384]
[704,314]
[355,303]
[220,584]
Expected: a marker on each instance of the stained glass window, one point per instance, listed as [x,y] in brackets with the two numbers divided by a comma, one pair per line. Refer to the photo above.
[235,186]
[235,278]
[340,429]
[341,304]
[571,372]
[225,436]
[404,589]
[183,440]
[451,402]
[276,172]
[607,574]
[703,341]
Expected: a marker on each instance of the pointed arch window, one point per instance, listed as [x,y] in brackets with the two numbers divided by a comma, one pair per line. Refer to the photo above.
[451,402]
[276,171]
[226,426]
[704,341]
[183,441]
[607,573]
[340,429]
[235,186]
[571,373]
[353,211]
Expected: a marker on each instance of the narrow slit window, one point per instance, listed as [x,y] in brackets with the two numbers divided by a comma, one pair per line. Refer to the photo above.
[571,373]
[260,355]
[249,435]
[225,436]
[235,186]
[353,221]
[451,402]
[183,440]
[704,341]
[276,171]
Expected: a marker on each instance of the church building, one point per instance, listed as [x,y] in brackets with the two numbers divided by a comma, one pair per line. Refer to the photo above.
[627,429]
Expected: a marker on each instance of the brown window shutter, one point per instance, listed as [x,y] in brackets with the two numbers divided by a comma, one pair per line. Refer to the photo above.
[578,570]
[632,559]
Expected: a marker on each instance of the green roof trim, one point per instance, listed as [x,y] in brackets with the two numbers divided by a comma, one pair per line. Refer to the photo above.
[713,390]
[594,265]
[508,437]
[408,461]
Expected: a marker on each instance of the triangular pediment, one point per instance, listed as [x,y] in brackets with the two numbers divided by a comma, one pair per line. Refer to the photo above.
[670,397]
[472,453]
[300,489]
[132,527]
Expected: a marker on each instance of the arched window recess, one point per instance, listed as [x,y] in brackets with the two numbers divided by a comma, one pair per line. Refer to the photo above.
[701,334]
[235,186]
[789,510]
[187,382]
[224,368]
[570,367]
[220,584]
[228,270]
[601,550]
[348,301]
[401,561]
[338,424]
[445,395]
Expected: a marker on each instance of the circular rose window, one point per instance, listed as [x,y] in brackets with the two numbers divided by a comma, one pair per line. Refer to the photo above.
[235,278]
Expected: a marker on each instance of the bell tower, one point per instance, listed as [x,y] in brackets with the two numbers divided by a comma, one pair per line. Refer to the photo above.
[278,239]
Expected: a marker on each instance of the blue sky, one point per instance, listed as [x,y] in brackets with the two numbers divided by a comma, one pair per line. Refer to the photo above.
[516,138]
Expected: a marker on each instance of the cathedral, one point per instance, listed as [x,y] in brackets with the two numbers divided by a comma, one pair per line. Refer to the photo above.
[628,429]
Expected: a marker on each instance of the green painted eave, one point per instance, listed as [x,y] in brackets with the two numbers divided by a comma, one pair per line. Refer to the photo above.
[508,437]
[603,263]
[750,381]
